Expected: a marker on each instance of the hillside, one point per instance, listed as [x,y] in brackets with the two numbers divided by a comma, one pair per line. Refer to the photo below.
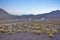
[54,15]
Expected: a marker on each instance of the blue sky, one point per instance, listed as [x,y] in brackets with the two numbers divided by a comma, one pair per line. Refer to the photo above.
[19,7]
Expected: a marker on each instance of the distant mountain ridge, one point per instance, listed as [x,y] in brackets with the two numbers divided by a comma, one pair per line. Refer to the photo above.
[54,15]
[4,15]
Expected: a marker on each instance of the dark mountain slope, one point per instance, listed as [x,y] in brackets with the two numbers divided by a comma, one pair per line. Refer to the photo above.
[54,15]
[4,15]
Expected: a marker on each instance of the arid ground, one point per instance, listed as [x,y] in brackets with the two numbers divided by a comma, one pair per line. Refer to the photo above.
[30,31]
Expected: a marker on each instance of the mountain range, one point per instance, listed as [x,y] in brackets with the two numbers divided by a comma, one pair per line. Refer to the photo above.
[54,15]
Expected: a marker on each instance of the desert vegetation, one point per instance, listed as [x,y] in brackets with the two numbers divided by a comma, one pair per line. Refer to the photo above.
[36,28]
